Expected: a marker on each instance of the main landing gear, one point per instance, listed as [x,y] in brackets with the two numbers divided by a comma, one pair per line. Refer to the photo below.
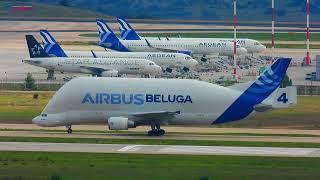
[155,129]
[69,130]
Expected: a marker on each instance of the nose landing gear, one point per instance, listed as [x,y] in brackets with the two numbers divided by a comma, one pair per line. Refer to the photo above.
[69,130]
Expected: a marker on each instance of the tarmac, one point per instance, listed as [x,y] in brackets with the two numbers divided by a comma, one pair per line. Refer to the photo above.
[160,149]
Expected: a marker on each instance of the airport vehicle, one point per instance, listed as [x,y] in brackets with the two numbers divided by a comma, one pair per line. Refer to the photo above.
[202,47]
[128,33]
[95,66]
[166,60]
[127,103]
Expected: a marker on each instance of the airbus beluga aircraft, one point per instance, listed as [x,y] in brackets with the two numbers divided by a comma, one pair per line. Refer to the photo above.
[100,67]
[123,103]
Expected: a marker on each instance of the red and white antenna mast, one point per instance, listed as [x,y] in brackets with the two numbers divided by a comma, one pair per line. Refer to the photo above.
[308,62]
[272,29]
[235,73]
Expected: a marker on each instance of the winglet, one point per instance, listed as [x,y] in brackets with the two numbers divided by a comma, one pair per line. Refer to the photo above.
[93,54]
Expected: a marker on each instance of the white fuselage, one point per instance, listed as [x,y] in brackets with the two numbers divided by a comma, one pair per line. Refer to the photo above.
[161,59]
[252,46]
[91,65]
[196,47]
[199,103]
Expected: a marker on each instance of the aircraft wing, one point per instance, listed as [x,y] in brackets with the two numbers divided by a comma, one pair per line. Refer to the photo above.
[145,117]
[160,49]
[94,70]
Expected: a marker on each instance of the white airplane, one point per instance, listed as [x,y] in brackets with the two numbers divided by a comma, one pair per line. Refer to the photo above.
[205,47]
[128,33]
[165,60]
[95,66]
[124,103]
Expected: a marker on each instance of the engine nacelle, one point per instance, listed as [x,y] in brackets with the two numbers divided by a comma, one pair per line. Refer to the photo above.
[111,73]
[120,123]
[169,70]
[187,52]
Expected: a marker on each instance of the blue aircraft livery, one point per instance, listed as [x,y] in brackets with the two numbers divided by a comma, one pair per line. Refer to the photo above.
[136,99]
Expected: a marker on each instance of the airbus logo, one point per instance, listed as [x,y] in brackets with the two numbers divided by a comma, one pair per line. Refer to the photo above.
[36,50]
[136,99]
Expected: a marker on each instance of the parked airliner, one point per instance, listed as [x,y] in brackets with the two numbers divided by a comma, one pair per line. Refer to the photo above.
[95,66]
[128,33]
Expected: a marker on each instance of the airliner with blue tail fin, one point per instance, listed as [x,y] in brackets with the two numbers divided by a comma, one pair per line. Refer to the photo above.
[123,103]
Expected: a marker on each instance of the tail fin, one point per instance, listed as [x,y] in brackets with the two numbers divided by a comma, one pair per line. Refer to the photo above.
[35,49]
[107,37]
[256,92]
[126,31]
[50,45]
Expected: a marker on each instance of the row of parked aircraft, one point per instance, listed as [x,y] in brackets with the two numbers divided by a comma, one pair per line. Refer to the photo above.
[168,54]
[124,103]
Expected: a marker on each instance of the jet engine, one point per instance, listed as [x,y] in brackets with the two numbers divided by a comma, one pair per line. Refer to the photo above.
[111,73]
[120,123]
[169,70]
[187,52]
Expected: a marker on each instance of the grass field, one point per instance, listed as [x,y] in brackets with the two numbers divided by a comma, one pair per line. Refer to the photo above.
[20,107]
[256,36]
[41,165]
[151,141]
[45,11]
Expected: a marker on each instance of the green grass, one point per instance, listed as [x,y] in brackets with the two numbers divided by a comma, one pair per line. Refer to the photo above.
[20,107]
[53,165]
[256,36]
[151,141]
[46,11]
[294,46]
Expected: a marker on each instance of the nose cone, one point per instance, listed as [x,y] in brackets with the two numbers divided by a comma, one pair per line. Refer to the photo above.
[242,51]
[193,63]
[36,120]
[155,69]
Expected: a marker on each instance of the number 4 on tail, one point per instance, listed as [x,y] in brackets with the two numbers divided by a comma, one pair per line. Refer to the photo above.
[283,98]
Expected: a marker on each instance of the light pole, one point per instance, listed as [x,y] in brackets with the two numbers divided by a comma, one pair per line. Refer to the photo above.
[235,40]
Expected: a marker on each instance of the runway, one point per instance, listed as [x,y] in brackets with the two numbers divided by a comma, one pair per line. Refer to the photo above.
[170,136]
[160,149]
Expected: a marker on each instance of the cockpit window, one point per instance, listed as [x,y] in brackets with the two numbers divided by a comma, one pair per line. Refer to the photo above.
[44,115]
[188,58]
[256,44]
[151,64]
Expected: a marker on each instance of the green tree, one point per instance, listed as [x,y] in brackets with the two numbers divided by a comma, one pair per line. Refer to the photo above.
[30,83]
[286,82]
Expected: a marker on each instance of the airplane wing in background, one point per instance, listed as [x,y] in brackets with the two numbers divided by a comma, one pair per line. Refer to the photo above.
[100,72]
[161,49]
[188,52]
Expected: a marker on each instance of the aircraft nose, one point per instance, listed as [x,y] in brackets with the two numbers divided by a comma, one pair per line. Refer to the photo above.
[263,47]
[193,62]
[157,69]
[243,50]
[35,120]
